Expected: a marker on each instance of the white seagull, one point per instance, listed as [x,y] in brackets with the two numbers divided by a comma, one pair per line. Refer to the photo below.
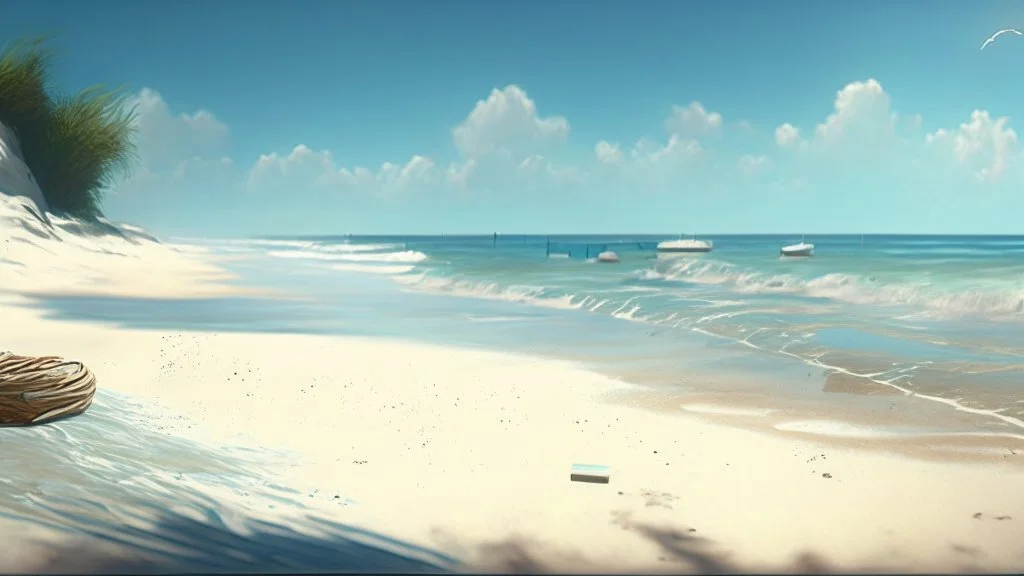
[993,37]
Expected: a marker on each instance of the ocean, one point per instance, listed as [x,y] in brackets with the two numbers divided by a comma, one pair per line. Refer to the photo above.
[872,336]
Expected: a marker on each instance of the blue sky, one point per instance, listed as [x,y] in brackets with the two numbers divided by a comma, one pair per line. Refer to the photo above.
[263,117]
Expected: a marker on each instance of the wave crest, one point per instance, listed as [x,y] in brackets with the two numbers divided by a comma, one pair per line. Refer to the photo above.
[999,302]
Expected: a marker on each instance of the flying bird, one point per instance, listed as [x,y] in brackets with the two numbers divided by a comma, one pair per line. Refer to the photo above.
[993,37]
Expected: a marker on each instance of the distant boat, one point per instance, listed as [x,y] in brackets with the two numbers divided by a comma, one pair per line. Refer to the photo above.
[685,246]
[608,257]
[802,249]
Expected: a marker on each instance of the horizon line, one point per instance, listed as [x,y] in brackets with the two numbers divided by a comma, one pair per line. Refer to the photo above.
[672,234]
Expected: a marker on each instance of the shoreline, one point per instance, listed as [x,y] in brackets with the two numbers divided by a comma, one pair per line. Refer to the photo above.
[814,400]
[468,452]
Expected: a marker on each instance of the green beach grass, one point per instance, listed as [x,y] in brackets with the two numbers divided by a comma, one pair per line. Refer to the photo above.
[77,146]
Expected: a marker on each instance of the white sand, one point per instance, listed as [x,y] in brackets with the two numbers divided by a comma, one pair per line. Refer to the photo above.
[469,452]
[464,449]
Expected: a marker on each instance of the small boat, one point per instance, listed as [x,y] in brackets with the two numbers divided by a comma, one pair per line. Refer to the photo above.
[685,246]
[608,257]
[802,249]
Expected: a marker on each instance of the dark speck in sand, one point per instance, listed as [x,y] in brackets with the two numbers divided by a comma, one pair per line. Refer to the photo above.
[693,529]
[977,516]
[1003,518]
[826,475]
[621,492]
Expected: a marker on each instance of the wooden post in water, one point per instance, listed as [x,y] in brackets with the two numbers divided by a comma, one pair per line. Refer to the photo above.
[495,244]
[547,248]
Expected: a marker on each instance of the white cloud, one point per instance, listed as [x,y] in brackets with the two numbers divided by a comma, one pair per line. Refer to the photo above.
[304,168]
[505,147]
[507,121]
[787,135]
[750,164]
[985,146]
[676,150]
[165,139]
[693,120]
[175,150]
[861,109]
[459,174]
[608,153]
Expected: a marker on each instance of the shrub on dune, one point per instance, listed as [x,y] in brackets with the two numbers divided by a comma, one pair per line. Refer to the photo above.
[88,146]
[76,146]
[24,101]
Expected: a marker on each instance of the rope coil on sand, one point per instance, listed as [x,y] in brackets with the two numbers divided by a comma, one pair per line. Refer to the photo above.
[40,389]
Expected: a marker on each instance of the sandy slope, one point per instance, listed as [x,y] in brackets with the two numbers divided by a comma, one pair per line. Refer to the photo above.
[469,452]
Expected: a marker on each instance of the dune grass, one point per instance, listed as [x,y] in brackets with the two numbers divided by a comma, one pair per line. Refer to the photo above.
[77,146]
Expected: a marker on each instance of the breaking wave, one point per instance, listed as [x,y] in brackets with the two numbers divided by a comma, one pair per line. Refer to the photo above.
[998,302]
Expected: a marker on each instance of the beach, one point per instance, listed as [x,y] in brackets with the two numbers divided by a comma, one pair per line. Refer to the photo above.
[376,452]
[466,452]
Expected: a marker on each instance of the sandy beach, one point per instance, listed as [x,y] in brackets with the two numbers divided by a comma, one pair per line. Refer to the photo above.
[468,453]
[464,455]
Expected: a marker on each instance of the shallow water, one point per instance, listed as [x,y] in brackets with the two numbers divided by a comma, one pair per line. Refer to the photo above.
[931,329]
[122,476]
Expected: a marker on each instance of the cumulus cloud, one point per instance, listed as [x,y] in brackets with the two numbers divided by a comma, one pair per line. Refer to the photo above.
[677,150]
[865,127]
[984,145]
[505,146]
[649,161]
[787,135]
[693,120]
[175,149]
[860,109]
[166,138]
[751,164]
[305,168]
[507,121]
[608,153]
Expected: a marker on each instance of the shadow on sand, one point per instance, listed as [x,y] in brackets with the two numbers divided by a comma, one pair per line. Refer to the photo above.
[179,543]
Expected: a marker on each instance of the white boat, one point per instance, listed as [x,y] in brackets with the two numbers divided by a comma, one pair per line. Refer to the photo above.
[608,257]
[689,245]
[801,249]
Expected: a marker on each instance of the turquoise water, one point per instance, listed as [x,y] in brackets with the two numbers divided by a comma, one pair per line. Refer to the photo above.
[934,325]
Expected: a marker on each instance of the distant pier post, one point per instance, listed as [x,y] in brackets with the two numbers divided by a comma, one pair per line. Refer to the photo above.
[547,247]
[495,243]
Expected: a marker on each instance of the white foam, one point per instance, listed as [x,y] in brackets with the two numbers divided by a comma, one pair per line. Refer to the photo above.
[726,410]
[410,256]
[997,301]
[833,428]
[536,295]
[373,268]
[489,319]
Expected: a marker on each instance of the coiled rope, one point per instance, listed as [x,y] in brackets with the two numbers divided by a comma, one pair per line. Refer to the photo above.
[39,389]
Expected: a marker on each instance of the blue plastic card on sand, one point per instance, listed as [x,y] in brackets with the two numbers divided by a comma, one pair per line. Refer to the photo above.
[595,473]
